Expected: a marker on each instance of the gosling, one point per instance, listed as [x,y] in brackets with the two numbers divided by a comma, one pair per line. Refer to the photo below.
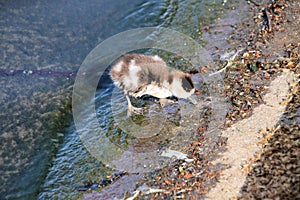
[139,75]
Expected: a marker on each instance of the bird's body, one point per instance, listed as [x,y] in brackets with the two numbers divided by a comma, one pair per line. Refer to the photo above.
[138,75]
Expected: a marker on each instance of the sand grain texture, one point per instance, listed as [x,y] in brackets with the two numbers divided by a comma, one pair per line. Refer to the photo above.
[243,138]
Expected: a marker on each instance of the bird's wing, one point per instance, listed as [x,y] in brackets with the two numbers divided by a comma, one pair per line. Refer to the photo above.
[155,91]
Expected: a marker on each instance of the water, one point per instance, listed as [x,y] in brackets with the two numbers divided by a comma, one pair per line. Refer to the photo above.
[57,35]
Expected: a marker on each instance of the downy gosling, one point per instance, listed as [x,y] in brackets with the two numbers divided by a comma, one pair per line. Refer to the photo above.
[138,75]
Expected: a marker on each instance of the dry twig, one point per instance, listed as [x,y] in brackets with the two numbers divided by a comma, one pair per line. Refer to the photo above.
[229,62]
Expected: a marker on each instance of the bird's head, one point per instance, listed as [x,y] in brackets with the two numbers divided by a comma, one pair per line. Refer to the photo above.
[183,86]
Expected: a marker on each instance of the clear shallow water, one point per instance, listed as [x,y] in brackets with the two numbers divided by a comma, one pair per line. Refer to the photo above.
[71,29]
[51,36]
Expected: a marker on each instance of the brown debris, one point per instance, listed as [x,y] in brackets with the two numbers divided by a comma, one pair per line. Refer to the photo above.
[246,80]
[275,174]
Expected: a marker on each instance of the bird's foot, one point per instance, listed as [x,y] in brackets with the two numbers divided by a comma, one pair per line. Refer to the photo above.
[134,110]
[164,101]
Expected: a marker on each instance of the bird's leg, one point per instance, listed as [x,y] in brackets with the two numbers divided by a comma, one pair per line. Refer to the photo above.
[131,108]
[164,101]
